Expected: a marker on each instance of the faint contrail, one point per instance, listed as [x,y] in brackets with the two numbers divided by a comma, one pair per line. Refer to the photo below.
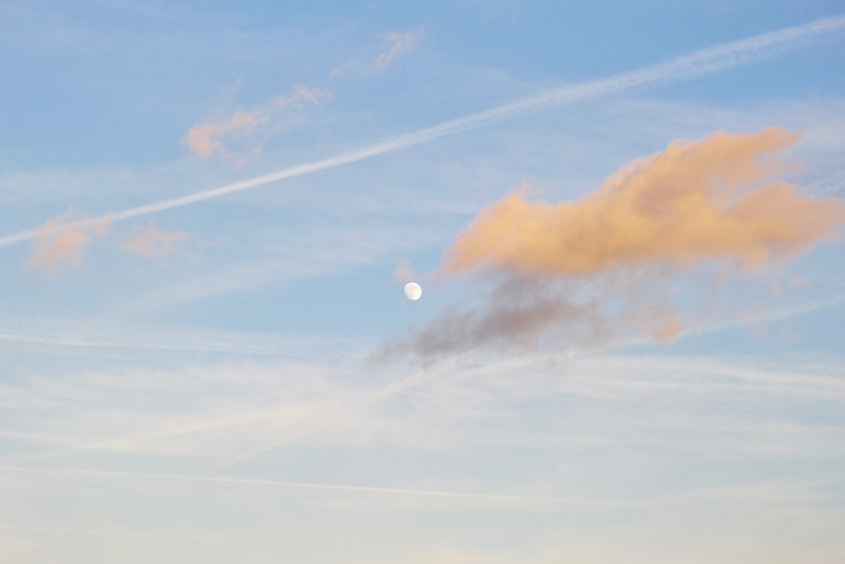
[416,492]
[697,64]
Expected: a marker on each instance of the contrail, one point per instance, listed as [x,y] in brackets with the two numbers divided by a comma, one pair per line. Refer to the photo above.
[182,482]
[416,492]
[694,65]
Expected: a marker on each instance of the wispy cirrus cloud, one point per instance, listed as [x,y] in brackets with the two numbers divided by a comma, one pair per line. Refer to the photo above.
[242,134]
[399,44]
[599,424]
[700,63]
[152,242]
[343,70]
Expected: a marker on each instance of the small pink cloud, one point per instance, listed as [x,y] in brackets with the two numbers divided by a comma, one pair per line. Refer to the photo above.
[207,139]
[152,242]
[57,247]
[404,272]
[249,131]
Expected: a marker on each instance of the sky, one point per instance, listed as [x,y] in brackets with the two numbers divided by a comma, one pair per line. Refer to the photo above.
[626,218]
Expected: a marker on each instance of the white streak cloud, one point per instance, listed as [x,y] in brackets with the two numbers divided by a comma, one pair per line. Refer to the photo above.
[700,63]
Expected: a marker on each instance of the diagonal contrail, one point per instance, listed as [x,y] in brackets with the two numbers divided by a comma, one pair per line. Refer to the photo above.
[417,492]
[697,64]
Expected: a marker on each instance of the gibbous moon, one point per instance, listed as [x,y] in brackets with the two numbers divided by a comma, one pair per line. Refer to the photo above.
[413,291]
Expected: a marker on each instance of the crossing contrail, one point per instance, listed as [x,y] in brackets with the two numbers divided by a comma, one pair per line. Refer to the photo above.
[687,67]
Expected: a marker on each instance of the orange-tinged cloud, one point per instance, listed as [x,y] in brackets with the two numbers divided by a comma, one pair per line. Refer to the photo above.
[404,272]
[693,202]
[207,139]
[152,242]
[57,247]
[596,271]
[249,130]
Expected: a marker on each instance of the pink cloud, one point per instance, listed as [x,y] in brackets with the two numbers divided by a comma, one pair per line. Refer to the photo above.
[249,130]
[404,272]
[57,247]
[595,271]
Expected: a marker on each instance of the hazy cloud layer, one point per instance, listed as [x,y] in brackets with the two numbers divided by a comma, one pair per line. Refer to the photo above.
[243,134]
[613,438]
[588,271]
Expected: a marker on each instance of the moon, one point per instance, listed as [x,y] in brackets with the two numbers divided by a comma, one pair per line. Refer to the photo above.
[413,291]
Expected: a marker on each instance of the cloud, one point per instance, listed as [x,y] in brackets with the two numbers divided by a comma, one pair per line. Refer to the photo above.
[141,414]
[682,206]
[58,246]
[342,71]
[152,242]
[400,44]
[694,65]
[207,139]
[250,130]
[590,271]
[404,272]
[62,242]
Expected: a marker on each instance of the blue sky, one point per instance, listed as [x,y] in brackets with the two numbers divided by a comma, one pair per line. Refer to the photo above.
[204,384]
